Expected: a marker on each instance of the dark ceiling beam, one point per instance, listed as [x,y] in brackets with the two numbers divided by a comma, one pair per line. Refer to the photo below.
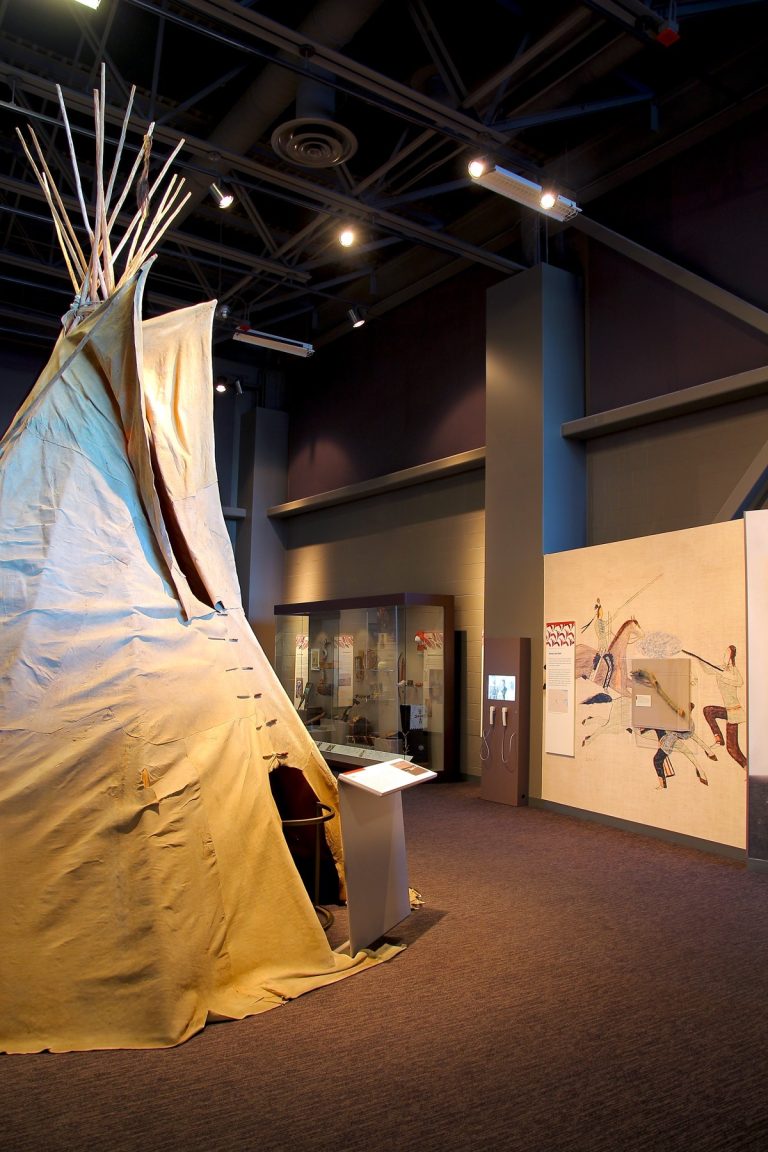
[30,264]
[639,19]
[696,7]
[721,298]
[622,172]
[554,115]
[235,256]
[98,46]
[601,60]
[347,207]
[548,48]
[311,195]
[438,53]
[158,56]
[314,59]
[274,87]
[185,105]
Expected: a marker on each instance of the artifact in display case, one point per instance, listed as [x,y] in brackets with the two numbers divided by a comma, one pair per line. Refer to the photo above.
[373,679]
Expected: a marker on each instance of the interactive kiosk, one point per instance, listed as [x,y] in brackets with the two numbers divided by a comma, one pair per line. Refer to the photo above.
[504,746]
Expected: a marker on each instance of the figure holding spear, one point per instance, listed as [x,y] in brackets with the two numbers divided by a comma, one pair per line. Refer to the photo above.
[729,680]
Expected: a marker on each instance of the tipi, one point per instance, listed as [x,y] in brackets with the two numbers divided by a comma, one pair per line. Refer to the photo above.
[146,881]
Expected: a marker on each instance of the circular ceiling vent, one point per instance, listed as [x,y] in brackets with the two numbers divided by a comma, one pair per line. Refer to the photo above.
[314,143]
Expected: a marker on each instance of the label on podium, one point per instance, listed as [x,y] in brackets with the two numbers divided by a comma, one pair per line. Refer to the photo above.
[390,776]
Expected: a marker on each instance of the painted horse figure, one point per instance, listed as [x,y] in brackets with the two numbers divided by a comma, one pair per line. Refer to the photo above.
[609,668]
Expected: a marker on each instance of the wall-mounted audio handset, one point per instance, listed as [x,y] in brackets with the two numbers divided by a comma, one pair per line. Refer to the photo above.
[485,748]
[506,740]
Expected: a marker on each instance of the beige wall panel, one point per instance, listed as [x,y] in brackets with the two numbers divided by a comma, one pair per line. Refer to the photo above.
[671,475]
[686,592]
[426,539]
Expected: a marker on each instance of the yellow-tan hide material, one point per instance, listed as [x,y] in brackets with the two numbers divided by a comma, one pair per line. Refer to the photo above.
[146,882]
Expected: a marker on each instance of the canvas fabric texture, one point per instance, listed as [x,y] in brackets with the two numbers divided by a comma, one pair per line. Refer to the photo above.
[147,884]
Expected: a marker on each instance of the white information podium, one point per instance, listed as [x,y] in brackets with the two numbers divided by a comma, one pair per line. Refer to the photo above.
[373,838]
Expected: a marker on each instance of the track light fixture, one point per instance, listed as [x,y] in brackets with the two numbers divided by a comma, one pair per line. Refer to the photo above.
[248,335]
[347,237]
[223,197]
[356,317]
[523,191]
[221,384]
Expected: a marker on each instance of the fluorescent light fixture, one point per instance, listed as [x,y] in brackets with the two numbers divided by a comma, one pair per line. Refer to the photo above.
[223,197]
[356,317]
[266,340]
[523,191]
[90,3]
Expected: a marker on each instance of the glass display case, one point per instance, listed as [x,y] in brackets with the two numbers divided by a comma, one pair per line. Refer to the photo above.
[373,679]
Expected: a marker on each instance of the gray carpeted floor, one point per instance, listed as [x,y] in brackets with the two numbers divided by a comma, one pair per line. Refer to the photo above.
[565,986]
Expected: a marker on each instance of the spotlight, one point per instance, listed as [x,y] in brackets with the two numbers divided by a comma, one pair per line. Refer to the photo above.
[523,191]
[223,197]
[356,317]
[221,384]
[347,237]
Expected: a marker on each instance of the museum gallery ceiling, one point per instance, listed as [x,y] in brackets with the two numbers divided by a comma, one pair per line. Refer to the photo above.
[354,112]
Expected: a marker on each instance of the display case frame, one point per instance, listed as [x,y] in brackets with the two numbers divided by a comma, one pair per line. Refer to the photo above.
[373,677]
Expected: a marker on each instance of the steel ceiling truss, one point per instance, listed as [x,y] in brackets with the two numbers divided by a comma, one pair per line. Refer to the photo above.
[408,194]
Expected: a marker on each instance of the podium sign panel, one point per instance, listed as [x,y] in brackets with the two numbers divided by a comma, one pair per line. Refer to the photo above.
[373,837]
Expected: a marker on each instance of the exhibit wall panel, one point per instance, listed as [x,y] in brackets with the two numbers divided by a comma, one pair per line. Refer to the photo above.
[429,538]
[671,475]
[672,596]
[756,535]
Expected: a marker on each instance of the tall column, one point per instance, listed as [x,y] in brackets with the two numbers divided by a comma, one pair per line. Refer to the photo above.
[259,548]
[535,490]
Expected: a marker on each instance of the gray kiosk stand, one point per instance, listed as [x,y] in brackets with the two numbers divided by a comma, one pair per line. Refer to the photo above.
[373,839]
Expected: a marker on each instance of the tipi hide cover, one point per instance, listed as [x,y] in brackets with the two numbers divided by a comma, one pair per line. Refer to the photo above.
[146,882]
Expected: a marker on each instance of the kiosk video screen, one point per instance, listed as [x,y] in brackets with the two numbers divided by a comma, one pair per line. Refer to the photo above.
[501,687]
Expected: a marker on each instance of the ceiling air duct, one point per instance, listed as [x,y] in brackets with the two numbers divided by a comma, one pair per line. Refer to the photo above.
[314,138]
